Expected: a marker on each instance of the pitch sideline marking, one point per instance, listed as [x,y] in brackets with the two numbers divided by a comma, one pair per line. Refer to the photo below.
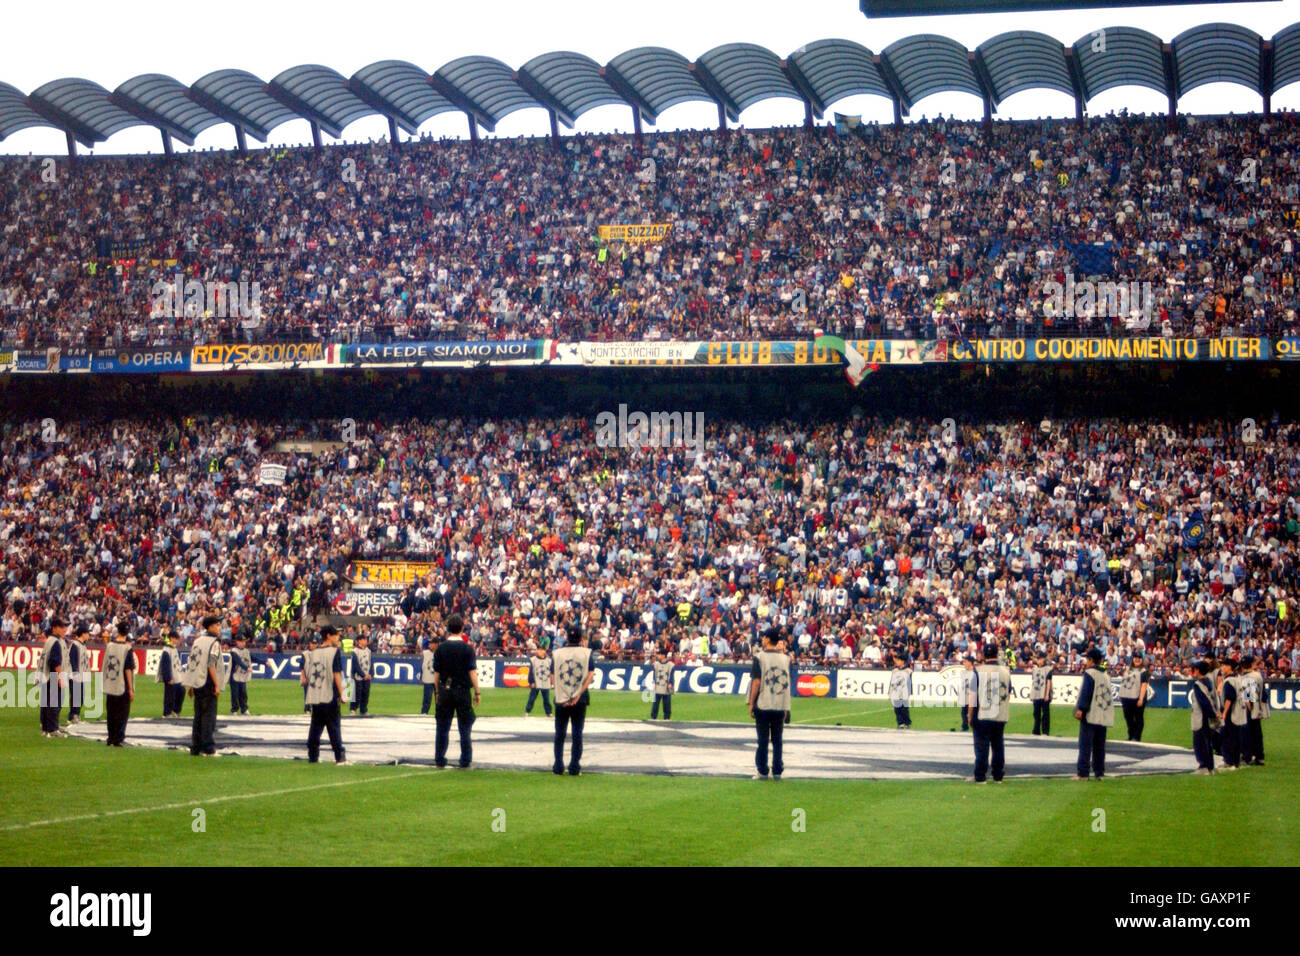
[198,803]
[843,713]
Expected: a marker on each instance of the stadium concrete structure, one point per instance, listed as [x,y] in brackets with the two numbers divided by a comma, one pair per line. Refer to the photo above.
[650,80]
[704,749]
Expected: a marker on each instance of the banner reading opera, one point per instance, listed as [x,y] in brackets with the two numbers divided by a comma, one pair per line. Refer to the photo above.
[410,354]
[268,356]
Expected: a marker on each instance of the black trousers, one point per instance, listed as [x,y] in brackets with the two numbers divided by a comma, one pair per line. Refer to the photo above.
[456,702]
[903,717]
[362,701]
[566,717]
[1255,735]
[1135,717]
[1092,749]
[1042,718]
[173,699]
[204,729]
[118,709]
[770,725]
[238,697]
[1203,747]
[325,717]
[988,736]
[533,694]
[76,691]
[51,699]
[668,707]
[427,701]
[1232,743]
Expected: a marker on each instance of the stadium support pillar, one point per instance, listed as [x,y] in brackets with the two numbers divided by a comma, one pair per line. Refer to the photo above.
[722,119]
[555,129]
[72,148]
[898,112]
[636,126]
[1266,74]
[1078,113]
[315,135]
[807,115]
[988,116]
[473,129]
[167,144]
[241,140]
[392,134]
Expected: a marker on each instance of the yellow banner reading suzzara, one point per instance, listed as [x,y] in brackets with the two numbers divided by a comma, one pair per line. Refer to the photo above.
[645,232]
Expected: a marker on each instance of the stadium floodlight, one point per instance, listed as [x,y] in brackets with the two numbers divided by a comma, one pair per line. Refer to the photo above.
[928,8]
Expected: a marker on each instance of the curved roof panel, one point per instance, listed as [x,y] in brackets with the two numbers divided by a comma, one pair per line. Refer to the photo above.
[15,114]
[1286,57]
[487,83]
[748,73]
[839,68]
[403,89]
[1217,53]
[161,99]
[572,80]
[87,107]
[324,94]
[1120,56]
[928,63]
[661,77]
[1023,60]
[241,98]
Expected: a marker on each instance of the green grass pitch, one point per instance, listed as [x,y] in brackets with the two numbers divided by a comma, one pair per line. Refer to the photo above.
[73,802]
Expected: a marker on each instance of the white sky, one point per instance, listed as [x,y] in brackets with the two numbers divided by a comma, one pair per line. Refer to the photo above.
[109,43]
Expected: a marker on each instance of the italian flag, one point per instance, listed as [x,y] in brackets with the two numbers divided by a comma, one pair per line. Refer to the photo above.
[857,368]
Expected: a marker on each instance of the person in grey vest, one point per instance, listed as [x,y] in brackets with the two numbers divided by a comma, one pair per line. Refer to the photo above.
[900,691]
[361,675]
[1133,695]
[663,670]
[119,685]
[541,680]
[241,669]
[313,642]
[1256,707]
[53,678]
[169,675]
[967,681]
[1216,678]
[1040,692]
[428,676]
[323,677]
[457,671]
[1201,698]
[989,701]
[769,704]
[573,675]
[1233,716]
[1095,711]
[203,683]
[78,672]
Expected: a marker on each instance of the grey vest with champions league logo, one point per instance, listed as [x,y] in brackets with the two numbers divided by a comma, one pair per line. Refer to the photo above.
[363,660]
[241,665]
[1038,682]
[78,660]
[426,667]
[1256,691]
[171,654]
[320,675]
[115,668]
[571,666]
[1130,685]
[1200,719]
[774,681]
[663,677]
[541,671]
[993,693]
[900,686]
[205,652]
[1101,713]
[45,655]
[1238,713]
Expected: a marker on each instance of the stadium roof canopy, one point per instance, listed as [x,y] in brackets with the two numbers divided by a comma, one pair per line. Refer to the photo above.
[650,80]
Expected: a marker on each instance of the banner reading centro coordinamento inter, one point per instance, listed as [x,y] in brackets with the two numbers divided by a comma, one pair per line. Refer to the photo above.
[1124,349]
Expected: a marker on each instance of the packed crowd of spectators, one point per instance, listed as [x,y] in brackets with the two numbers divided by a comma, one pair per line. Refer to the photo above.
[853,537]
[931,230]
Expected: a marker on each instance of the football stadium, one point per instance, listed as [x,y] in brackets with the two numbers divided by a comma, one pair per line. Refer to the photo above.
[840,489]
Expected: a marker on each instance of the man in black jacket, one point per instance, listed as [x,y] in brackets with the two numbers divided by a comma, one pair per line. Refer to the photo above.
[456,676]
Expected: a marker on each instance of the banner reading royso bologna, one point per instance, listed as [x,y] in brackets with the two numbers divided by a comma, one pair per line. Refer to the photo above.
[269,356]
